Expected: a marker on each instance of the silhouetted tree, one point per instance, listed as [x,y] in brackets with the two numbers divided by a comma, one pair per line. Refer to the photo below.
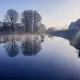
[11,17]
[31,19]
[12,48]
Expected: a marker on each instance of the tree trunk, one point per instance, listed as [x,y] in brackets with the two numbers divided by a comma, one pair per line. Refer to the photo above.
[12,25]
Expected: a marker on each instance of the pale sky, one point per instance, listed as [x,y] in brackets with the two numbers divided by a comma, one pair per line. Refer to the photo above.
[56,13]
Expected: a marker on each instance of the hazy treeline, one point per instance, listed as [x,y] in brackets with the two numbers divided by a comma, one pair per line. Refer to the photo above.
[29,21]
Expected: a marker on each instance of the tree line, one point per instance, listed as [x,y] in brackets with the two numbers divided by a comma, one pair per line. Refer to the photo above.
[30,20]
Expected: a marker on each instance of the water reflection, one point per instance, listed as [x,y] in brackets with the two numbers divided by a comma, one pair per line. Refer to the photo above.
[29,45]
[74,39]
[75,42]
[12,47]
[51,64]
[77,46]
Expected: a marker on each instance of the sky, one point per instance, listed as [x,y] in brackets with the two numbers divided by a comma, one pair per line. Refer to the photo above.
[55,13]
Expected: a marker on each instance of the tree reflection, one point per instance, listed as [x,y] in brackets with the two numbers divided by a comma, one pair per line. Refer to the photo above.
[76,44]
[29,44]
[12,48]
[32,45]
[73,36]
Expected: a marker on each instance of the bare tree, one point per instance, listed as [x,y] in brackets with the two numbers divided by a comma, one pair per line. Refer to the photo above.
[37,20]
[31,19]
[11,17]
[27,19]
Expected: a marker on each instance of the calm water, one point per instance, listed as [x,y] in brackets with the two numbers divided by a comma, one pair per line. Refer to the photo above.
[36,57]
